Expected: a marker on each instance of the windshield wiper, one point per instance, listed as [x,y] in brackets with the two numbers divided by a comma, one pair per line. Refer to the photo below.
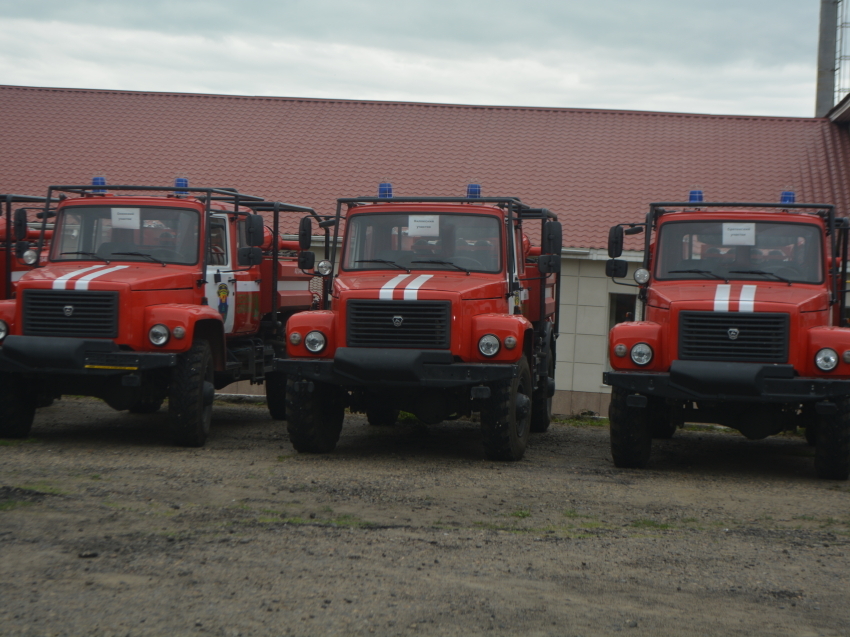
[438,262]
[400,267]
[776,276]
[140,254]
[708,272]
[88,254]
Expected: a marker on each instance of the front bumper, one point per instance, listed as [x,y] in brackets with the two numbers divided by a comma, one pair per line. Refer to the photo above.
[56,355]
[371,367]
[733,382]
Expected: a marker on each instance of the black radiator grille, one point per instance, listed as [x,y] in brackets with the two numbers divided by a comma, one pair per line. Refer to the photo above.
[421,324]
[733,336]
[70,313]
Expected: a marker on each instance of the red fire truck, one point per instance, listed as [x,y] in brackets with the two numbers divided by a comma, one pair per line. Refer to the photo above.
[147,294]
[441,308]
[18,243]
[743,309]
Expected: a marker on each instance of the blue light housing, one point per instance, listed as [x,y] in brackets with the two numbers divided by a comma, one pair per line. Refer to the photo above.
[695,196]
[473,191]
[180,182]
[385,190]
[98,181]
[788,196]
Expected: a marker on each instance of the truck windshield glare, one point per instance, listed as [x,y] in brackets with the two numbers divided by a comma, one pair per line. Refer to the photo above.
[430,241]
[164,235]
[750,250]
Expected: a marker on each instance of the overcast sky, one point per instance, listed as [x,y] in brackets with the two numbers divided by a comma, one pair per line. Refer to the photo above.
[709,56]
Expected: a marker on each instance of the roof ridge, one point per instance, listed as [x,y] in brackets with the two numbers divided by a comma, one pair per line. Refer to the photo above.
[441,105]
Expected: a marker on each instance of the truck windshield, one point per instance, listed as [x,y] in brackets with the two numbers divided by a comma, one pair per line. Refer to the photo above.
[168,235]
[423,241]
[755,250]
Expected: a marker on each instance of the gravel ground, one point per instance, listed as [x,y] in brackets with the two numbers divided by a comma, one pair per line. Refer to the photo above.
[105,529]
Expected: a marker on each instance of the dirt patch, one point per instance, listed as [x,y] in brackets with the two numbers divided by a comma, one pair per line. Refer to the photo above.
[408,530]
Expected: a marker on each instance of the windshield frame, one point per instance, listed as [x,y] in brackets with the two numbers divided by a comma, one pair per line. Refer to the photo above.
[57,243]
[417,264]
[726,273]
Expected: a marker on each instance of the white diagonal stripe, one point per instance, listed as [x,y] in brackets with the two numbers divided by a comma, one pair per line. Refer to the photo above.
[83,282]
[59,284]
[721,297]
[411,292]
[386,293]
[748,299]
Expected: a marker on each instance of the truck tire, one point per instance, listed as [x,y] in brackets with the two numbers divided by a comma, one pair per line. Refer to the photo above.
[832,448]
[660,420]
[191,394]
[17,406]
[314,417]
[506,416]
[381,416]
[541,402]
[276,394]
[631,437]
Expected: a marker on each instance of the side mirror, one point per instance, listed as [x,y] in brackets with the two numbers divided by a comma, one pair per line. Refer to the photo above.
[548,263]
[20,224]
[254,230]
[250,257]
[305,233]
[306,259]
[616,268]
[552,238]
[615,242]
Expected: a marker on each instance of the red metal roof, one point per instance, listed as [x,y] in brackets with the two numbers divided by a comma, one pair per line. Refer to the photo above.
[593,168]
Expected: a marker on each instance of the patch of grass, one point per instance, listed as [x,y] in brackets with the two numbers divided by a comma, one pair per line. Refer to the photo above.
[8,505]
[14,442]
[690,520]
[95,476]
[646,523]
[285,457]
[582,421]
[43,487]
[521,513]
[327,509]
[572,513]
[807,518]
[404,416]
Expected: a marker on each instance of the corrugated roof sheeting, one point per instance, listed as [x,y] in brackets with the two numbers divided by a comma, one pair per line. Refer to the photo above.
[593,168]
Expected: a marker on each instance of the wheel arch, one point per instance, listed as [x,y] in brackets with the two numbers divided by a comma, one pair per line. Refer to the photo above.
[213,331]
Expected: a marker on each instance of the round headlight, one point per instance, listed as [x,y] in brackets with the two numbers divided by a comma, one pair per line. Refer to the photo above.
[488,345]
[315,342]
[4,330]
[641,275]
[295,338]
[510,342]
[620,350]
[179,331]
[826,359]
[641,354]
[159,334]
[324,267]
[30,257]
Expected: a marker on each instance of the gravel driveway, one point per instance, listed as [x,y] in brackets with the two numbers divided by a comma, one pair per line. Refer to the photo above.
[105,529]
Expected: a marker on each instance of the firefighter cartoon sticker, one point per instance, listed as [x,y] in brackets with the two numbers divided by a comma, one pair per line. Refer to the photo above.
[223,293]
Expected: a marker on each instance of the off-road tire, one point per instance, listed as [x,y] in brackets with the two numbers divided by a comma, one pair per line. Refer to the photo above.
[146,406]
[190,416]
[541,402]
[505,435]
[832,449]
[631,436]
[314,417]
[276,394]
[381,416]
[17,406]
[660,420]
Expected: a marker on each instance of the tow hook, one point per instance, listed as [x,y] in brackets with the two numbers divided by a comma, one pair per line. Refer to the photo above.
[523,405]
[209,393]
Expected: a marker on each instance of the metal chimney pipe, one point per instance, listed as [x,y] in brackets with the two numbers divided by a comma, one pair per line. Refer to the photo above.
[825,93]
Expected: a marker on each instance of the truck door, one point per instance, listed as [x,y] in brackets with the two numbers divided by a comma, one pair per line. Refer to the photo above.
[247,307]
[221,283]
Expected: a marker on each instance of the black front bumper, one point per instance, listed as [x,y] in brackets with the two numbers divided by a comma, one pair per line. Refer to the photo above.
[55,355]
[733,382]
[372,367]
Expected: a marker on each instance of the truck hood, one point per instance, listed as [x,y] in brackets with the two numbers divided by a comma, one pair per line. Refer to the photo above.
[82,276]
[738,296]
[420,285]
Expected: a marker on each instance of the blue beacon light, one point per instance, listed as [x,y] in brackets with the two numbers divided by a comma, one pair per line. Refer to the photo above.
[788,196]
[180,182]
[98,181]
[385,190]
[473,191]
[695,196]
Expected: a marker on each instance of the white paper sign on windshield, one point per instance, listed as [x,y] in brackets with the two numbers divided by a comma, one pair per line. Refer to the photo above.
[739,234]
[128,218]
[423,226]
